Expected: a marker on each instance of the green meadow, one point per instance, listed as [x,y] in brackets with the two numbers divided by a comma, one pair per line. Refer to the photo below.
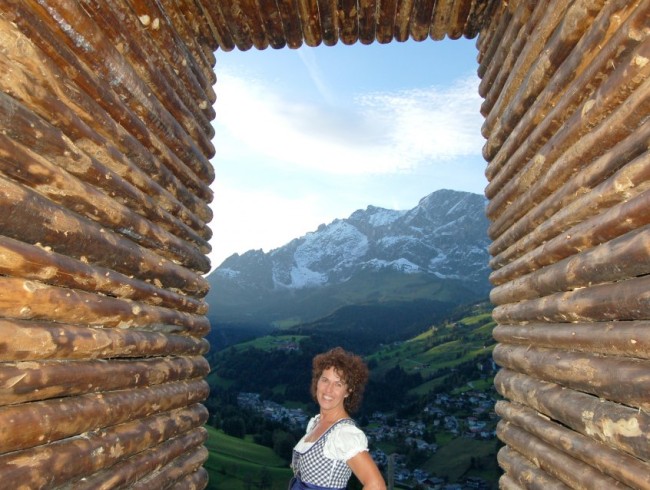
[236,464]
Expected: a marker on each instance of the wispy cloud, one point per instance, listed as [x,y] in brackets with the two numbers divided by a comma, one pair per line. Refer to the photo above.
[375,133]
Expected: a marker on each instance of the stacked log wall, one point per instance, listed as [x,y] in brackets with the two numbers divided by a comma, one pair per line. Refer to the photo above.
[566,88]
[105,142]
[105,147]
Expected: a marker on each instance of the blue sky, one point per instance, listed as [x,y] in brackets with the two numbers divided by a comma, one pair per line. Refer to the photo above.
[310,135]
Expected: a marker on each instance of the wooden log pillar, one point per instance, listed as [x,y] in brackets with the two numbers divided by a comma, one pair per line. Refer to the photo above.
[105,141]
[567,100]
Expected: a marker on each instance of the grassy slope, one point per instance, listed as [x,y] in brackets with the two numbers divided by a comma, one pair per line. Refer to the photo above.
[235,464]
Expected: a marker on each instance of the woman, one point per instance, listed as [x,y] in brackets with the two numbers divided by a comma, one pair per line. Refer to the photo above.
[334,447]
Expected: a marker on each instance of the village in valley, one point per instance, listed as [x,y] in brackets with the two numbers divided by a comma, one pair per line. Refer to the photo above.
[445,414]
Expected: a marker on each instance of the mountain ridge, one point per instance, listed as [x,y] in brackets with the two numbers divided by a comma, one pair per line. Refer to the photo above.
[442,241]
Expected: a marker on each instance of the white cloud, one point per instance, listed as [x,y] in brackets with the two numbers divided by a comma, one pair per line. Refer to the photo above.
[377,133]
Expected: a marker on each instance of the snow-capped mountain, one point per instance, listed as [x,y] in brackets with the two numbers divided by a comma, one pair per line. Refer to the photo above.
[442,239]
[445,235]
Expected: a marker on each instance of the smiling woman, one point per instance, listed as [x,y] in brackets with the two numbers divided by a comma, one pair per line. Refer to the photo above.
[333,447]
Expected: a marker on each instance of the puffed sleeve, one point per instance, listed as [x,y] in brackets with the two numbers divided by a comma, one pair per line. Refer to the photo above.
[345,442]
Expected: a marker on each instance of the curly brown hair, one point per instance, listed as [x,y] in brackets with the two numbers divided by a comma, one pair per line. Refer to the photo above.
[350,367]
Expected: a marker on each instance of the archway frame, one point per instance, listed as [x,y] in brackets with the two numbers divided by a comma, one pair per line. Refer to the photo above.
[104,190]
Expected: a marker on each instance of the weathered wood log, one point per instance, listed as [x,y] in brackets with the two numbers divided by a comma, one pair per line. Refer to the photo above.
[385,27]
[348,18]
[569,87]
[440,19]
[573,148]
[193,11]
[421,19]
[26,134]
[175,471]
[542,24]
[291,23]
[402,19]
[477,17]
[618,426]
[566,202]
[27,381]
[29,341]
[508,483]
[31,300]
[117,20]
[29,168]
[616,260]
[162,31]
[203,55]
[625,339]
[616,464]
[28,425]
[116,73]
[196,481]
[625,300]
[308,11]
[572,472]
[526,61]
[514,37]
[619,379]
[218,27]
[104,112]
[18,259]
[236,24]
[569,51]
[458,18]
[29,217]
[611,223]
[329,22]
[272,23]
[58,463]
[524,474]
[367,21]
[112,69]
[490,33]
[127,472]
[251,13]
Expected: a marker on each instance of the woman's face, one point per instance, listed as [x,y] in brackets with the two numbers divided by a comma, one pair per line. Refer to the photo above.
[331,390]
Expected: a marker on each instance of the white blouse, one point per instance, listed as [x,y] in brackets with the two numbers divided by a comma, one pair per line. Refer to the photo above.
[344,441]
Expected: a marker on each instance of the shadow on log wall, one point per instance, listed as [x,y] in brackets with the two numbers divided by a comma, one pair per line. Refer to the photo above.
[105,141]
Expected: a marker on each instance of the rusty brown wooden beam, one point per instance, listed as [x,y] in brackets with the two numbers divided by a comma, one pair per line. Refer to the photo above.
[22,382]
[102,111]
[619,426]
[619,379]
[619,338]
[564,240]
[568,201]
[70,459]
[29,168]
[367,21]
[310,21]
[175,471]
[624,300]
[22,260]
[616,260]
[557,463]
[522,473]
[605,46]
[617,464]
[31,300]
[26,340]
[27,216]
[28,425]
[129,471]
[622,100]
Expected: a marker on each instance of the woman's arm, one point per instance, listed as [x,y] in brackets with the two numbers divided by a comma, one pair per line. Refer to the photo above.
[365,469]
